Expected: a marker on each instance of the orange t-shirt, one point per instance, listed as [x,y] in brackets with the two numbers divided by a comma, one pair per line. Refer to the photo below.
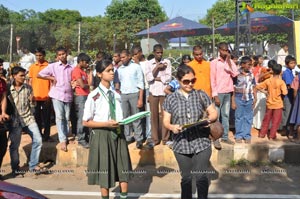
[275,87]
[41,87]
[202,73]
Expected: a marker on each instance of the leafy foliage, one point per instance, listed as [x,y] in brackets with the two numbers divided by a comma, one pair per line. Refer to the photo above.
[130,17]
[4,15]
[122,20]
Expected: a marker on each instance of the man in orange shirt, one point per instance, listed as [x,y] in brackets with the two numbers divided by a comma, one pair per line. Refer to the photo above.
[202,74]
[41,89]
[202,70]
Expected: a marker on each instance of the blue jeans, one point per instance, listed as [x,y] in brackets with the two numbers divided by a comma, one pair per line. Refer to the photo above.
[243,118]
[15,134]
[79,107]
[62,115]
[223,111]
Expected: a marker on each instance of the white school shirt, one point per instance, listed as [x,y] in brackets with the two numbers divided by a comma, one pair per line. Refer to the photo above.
[96,107]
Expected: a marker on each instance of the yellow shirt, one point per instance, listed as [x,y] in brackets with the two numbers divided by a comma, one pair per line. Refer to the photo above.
[275,87]
[202,73]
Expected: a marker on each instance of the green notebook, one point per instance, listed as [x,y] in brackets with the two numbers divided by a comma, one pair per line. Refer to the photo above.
[134,117]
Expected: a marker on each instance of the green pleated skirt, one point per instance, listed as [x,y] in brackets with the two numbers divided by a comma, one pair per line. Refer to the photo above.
[109,159]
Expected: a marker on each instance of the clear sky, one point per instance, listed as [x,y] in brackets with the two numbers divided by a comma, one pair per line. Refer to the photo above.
[191,9]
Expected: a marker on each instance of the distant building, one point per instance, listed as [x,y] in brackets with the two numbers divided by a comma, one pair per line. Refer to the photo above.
[174,43]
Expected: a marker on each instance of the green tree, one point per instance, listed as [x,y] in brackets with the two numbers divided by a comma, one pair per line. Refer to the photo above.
[94,35]
[4,15]
[60,16]
[63,24]
[223,11]
[130,17]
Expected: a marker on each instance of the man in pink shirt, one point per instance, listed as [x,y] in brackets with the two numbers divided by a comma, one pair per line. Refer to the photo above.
[61,93]
[222,70]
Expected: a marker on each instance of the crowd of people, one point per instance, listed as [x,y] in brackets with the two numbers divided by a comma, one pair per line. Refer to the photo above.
[115,87]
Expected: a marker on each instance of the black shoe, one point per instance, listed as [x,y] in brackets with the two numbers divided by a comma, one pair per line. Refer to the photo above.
[84,145]
[139,144]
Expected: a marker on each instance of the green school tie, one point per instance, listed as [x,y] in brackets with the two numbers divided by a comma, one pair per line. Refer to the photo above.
[112,111]
[112,106]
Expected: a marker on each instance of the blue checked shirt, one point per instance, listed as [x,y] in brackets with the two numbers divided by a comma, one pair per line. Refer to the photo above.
[185,111]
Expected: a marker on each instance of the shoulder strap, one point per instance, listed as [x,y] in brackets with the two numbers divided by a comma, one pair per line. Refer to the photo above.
[202,103]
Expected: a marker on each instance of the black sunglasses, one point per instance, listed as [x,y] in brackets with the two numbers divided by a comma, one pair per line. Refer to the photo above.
[187,81]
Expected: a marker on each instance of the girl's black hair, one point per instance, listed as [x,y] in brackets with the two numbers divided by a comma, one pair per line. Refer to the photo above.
[182,70]
[102,65]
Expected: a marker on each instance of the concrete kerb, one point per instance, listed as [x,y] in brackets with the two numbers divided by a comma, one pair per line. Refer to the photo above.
[162,155]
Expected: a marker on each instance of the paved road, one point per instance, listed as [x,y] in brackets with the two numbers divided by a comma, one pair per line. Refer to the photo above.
[249,182]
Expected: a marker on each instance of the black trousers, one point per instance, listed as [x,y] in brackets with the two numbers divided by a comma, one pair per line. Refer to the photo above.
[3,145]
[194,165]
[42,116]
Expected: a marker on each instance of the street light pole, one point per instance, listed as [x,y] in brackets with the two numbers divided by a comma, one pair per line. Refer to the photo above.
[114,47]
[79,36]
[11,43]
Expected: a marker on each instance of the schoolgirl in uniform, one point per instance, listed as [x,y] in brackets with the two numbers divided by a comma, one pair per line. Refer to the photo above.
[109,159]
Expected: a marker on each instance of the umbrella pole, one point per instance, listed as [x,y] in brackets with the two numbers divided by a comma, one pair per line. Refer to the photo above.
[148,36]
[179,43]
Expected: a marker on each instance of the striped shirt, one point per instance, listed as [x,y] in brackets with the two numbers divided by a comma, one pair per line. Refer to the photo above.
[185,111]
[20,98]
[174,84]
